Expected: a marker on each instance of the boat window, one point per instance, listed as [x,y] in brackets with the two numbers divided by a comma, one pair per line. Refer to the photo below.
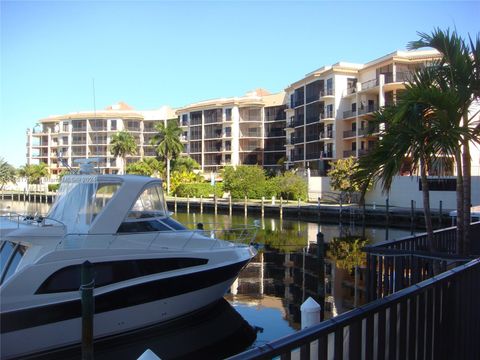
[79,200]
[15,261]
[143,226]
[106,273]
[149,204]
[5,253]
[10,256]
[173,224]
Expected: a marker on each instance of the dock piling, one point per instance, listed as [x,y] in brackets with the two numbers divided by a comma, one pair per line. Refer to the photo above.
[88,309]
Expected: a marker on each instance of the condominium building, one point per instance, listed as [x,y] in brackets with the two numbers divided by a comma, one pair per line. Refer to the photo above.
[328,110]
[315,120]
[60,140]
[244,130]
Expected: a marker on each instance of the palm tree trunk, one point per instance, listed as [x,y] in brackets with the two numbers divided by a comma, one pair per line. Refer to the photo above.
[426,206]
[467,196]
[460,195]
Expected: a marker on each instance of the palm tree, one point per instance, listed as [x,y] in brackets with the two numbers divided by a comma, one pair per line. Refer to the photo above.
[458,71]
[123,144]
[33,173]
[417,131]
[167,143]
[7,173]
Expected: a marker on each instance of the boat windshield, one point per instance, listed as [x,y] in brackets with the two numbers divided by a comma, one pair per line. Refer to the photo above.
[79,200]
[149,204]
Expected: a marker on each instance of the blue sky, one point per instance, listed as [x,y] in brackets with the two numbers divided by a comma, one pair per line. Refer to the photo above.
[154,53]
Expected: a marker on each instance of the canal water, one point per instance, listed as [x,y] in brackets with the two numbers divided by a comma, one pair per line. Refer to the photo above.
[269,291]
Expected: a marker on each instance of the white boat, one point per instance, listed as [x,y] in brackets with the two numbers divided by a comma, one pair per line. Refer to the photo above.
[148,267]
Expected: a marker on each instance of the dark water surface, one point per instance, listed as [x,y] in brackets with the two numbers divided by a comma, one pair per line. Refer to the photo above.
[268,293]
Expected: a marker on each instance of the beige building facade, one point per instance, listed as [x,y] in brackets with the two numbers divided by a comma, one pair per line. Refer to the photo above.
[58,141]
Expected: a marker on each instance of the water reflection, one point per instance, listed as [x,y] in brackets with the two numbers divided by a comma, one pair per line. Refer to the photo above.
[287,270]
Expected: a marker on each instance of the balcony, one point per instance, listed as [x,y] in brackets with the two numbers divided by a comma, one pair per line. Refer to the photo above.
[325,135]
[314,136]
[368,109]
[349,113]
[327,115]
[275,133]
[349,133]
[298,157]
[369,84]
[79,129]
[326,154]
[290,123]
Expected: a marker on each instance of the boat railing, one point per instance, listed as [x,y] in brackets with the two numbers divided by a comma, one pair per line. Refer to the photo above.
[171,239]
[28,219]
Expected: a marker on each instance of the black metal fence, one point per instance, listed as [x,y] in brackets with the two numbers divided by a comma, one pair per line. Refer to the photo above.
[438,318]
[411,318]
[395,265]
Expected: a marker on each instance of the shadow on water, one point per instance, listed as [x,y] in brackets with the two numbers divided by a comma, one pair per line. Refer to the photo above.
[215,332]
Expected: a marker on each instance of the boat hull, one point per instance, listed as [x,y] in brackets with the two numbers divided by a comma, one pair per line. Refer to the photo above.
[67,332]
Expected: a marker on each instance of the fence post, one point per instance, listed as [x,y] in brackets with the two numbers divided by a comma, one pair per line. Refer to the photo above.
[412,216]
[88,309]
[230,204]
[298,207]
[175,203]
[263,206]
[188,204]
[201,204]
[245,206]
[215,203]
[440,215]
[387,215]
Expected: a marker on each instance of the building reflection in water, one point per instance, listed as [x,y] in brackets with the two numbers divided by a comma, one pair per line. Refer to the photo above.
[286,271]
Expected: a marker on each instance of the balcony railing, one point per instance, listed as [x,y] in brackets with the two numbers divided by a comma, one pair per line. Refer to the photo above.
[349,114]
[369,84]
[326,134]
[348,153]
[327,115]
[368,109]
[349,133]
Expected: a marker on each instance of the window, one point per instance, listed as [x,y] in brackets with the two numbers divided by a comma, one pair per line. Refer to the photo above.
[10,256]
[149,204]
[68,278]
[228,114]
[113,125]
[65,126]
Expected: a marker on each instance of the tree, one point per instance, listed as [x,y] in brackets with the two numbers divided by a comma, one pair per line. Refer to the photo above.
[244,181]
[184,163]
[7,173]
[289,186]
[458,71]
[123,144]
[342,176]
[33,173]
[416,132]
[148,166]
[167,143]
[183,177]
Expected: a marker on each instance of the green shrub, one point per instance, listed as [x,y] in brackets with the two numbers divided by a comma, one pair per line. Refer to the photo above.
[198,189]
[244,181]
[53,187]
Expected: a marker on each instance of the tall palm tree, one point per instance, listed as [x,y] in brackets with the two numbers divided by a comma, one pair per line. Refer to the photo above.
[459,71]
[123,144]
[167,143]
[417,129]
